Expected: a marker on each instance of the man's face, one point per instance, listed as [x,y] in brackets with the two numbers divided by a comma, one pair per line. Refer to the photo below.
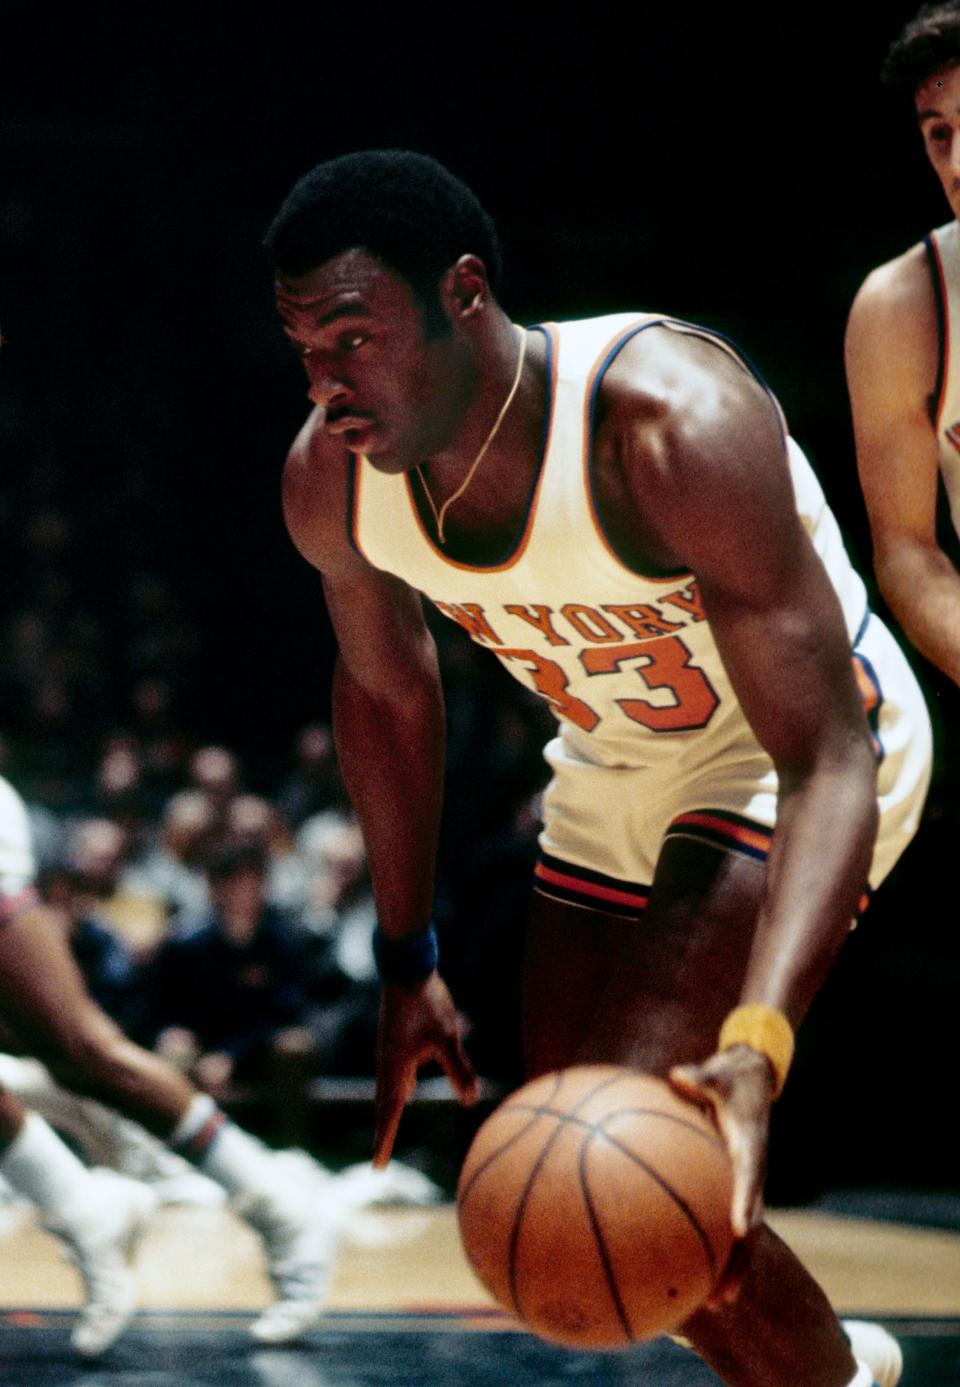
[240,899]
[938,111]
[388,391]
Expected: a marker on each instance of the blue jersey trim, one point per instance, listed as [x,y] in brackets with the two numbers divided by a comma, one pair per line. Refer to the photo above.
[706,335]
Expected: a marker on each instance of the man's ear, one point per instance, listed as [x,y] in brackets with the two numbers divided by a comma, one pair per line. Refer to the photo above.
[464,289]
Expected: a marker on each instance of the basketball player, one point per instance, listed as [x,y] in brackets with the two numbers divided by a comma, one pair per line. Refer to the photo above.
[613,508]
[904,380]
[43,1000]
[97,1214]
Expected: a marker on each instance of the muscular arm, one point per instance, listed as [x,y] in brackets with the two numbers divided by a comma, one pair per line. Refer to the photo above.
[701,450]
[709,475]
[891,357]
[389,728]
[388,710]
[789,661]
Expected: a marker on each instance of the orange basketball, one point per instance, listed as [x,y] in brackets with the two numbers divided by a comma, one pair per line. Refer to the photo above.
[595,1204]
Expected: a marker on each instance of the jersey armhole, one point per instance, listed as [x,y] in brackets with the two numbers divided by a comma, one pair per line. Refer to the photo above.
[940,299]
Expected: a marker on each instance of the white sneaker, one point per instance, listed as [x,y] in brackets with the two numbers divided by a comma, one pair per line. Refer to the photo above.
[357,1186]
[871,1344]
[100,1246]
[362,1187]
[172,1179]
[302,1239]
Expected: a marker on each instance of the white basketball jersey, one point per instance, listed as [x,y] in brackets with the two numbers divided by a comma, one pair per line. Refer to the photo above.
[943,248]
[627,662]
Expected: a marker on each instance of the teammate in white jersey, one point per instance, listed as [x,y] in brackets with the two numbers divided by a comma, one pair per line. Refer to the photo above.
[903,365]
[612,508]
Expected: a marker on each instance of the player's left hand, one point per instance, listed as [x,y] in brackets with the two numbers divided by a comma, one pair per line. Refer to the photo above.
[738,1085]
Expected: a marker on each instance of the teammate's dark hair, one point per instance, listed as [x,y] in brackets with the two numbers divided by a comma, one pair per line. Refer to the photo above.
[406,209]
[928,43]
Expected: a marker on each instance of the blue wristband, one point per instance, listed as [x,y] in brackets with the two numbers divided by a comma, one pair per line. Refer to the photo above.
[405,960]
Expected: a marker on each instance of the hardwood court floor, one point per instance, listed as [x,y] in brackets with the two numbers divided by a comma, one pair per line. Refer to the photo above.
[406,1309]
[402,1259]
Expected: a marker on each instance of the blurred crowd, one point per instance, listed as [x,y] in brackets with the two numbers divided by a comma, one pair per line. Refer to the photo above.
[219,925]
[221,910]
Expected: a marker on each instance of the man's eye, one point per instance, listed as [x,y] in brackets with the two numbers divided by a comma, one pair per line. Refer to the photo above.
[940,134]
[355,340]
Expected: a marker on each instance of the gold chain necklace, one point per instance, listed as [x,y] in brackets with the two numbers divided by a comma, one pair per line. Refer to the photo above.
[439,515]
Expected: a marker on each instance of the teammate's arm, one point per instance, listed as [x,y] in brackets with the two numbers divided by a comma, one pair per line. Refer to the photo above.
[389,729]
[891,357]
[716,490]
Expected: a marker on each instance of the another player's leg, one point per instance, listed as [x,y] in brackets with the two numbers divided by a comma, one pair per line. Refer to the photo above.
[105,1137]
[652,993]
[43,997]
[96,1214]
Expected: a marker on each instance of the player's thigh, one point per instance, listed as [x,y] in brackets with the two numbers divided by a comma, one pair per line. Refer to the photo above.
[569,953]
[43,996]
[648,992]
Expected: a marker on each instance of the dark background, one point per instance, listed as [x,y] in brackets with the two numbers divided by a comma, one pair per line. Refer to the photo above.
[737,165]
[743,169]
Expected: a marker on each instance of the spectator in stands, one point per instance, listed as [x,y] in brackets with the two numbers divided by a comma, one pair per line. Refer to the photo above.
[215,772]
[171,871]
[222,996]
[118,785]
[338,921]
[96,855]
[164,741]
[104,960]
[252,819]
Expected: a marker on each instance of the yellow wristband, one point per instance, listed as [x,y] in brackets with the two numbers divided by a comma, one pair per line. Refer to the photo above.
[765,1030]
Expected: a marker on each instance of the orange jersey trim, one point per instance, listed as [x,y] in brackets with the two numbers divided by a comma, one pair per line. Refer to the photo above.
[726,830]
[513,559]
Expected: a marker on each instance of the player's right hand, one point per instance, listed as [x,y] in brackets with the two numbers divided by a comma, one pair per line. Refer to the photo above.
[418,1023]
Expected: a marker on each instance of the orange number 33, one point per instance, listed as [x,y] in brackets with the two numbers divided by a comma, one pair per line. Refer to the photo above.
[666,666]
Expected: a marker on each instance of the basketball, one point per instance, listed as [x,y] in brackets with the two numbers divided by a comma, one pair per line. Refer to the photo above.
[594,1204]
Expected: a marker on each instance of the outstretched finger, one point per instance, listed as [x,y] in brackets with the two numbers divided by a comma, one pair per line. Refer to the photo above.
[746,1154]
[743,1144]
[394,1086]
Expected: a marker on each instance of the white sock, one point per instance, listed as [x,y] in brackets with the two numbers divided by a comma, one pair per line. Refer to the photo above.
[863,1377]
[238,1161]
[200,1111]
[41,1166]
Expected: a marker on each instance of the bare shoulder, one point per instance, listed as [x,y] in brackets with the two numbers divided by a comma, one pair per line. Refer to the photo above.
[316,490]
[893,342]
[697,443]
[896,298]
[686,410]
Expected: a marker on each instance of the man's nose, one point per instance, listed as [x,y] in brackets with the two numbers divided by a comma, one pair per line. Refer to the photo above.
[325,388]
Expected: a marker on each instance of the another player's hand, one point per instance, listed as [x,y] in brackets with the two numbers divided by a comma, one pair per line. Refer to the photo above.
[738,1085]
[418,1022]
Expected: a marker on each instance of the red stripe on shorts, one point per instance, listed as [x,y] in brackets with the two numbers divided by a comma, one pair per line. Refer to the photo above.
[590,888]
